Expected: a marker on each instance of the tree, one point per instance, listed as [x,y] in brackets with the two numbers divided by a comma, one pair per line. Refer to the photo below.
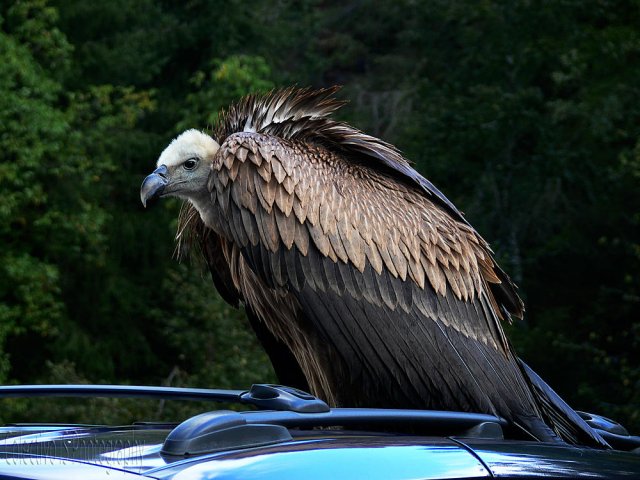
[33,132]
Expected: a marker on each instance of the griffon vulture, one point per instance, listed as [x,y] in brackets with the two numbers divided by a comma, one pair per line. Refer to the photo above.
[365,284]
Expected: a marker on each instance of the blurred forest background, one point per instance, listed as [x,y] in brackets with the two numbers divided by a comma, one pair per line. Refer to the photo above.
[525,113]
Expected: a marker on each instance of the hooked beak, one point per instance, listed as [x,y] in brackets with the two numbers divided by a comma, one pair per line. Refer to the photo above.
[153,186]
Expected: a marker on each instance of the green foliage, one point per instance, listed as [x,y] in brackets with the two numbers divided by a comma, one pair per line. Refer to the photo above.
[118,42]
[227,80]
[33,23]
[205,331]
[32,134]
[524,113]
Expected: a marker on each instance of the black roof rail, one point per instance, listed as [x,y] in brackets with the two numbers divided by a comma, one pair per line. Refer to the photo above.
[287,408]
[212,431]
[438,422]
[615,434]
[279,397]
[120,391]
[293,407]
[264,396]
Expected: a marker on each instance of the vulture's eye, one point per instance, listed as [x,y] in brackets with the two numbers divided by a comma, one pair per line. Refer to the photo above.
[190,164]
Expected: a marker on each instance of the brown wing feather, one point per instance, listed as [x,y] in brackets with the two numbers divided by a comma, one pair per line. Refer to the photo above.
[357,224]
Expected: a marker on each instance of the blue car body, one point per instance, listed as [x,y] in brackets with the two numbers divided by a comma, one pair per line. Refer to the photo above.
[294,435]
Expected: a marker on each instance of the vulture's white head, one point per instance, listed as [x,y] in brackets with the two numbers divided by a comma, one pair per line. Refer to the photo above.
[182,169]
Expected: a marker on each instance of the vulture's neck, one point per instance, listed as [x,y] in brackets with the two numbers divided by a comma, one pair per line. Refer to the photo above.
[206,208]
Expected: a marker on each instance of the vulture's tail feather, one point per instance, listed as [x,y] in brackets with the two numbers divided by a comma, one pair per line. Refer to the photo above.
[565,421]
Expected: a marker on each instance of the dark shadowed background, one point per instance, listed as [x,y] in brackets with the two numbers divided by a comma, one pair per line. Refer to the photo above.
[525,114]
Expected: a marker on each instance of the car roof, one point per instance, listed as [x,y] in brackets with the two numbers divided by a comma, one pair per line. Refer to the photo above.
[292,434]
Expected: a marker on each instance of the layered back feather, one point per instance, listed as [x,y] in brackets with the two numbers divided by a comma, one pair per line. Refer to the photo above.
[303,114]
